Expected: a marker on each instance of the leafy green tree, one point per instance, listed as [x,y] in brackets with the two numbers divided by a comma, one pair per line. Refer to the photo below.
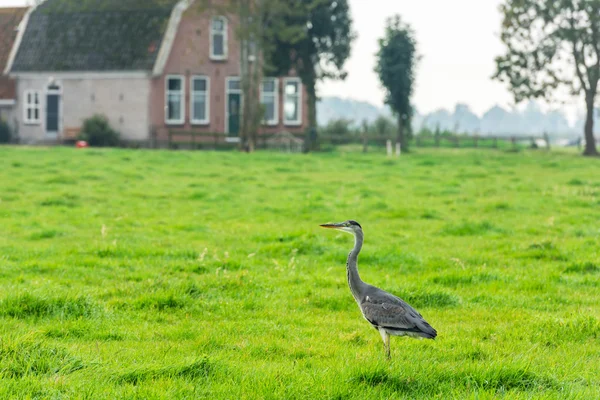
[396,60]
[340,127]
[311,37]
[552,44]
[383,126]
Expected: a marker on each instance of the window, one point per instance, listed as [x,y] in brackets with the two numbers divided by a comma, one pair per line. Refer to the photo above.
[199,101]
[218,38]
[234,85]
[32,107]
[292,106]
[174,95]
[270,100]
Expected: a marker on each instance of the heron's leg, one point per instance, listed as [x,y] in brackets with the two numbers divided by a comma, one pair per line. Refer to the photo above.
[386,342]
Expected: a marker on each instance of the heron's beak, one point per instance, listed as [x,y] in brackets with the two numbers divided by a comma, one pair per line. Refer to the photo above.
[331,226]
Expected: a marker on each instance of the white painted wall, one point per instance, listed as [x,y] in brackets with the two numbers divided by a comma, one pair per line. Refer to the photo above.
[123,100]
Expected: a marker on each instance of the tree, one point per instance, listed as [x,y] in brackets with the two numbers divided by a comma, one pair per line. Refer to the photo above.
[311,37]
[552,44]
[383,126]
[395,66]
[250,34]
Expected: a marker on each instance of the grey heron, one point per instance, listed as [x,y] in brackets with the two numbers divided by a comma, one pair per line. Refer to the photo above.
[387,313]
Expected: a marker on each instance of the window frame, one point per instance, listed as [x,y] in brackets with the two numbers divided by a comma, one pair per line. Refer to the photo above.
[214,56]
[206,92]
[275,94]
[181,120]
[298,96]
[32,106]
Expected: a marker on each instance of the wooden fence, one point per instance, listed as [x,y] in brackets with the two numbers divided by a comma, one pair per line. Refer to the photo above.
[456,141]
[202,140]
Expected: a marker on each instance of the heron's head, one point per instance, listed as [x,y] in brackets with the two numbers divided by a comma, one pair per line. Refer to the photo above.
[349,226]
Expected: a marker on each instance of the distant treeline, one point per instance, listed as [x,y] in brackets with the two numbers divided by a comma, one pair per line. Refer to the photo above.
[496,121]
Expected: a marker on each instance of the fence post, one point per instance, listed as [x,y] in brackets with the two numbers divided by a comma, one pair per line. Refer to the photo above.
[397,149]
[388,146]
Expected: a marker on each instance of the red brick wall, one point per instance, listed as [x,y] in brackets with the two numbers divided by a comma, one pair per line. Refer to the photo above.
[190,55]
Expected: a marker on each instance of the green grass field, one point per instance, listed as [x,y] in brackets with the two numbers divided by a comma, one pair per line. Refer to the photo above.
[170,275]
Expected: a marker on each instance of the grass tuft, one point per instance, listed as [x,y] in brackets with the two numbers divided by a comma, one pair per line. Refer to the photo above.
[582,268]
[24,358]
[198,369]
[28,305]
[471,229]
[161,302]
[421,298]
[545,250]
[455,280]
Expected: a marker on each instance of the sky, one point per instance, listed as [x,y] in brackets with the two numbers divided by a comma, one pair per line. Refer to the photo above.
[457,40]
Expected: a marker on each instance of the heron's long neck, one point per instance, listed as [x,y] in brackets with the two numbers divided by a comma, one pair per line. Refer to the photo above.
[356,284]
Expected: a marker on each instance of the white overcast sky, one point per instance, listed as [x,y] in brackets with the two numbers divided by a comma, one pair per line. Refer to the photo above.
[458,41]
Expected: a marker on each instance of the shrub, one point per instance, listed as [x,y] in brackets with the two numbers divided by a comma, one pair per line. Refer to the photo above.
[5,133]
[97,132]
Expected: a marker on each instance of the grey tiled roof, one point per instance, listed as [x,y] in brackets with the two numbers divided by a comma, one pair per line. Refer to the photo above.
[93,35]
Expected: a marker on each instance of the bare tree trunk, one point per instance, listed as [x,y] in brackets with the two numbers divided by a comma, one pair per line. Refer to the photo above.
[311,140]
[401,137]
[251,72]
[590,141]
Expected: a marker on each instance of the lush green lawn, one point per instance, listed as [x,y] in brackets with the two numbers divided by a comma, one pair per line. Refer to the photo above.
[154,274]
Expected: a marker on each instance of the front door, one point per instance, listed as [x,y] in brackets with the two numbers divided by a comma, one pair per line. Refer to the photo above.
[233,111]
[52,111]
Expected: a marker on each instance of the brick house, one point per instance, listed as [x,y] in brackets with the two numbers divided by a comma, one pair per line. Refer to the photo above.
[150,66]
[10,19]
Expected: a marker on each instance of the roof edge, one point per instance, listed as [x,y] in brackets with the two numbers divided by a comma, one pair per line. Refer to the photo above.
[113,74]
[169,36]
[17,43]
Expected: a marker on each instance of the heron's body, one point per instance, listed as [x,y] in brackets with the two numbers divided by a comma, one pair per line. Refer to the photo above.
[387,313]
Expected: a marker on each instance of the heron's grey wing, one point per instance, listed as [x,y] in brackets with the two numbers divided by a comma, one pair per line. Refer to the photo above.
[387,311]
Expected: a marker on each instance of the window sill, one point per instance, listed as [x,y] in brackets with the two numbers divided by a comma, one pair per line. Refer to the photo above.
[201,123]
[218,58]
[179,122]
[296,123]
[32,123]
